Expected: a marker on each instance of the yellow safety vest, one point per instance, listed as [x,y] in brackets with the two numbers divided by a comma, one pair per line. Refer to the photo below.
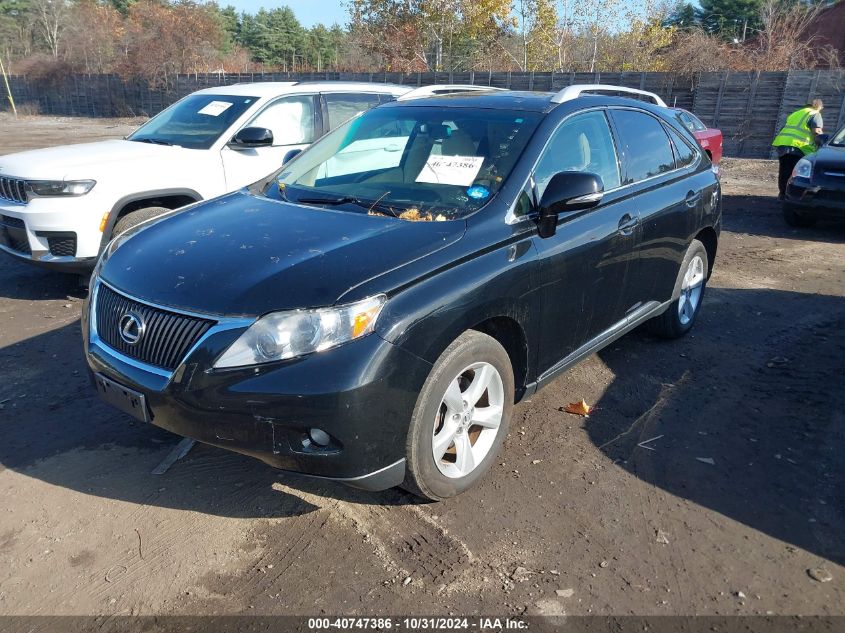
[796,133]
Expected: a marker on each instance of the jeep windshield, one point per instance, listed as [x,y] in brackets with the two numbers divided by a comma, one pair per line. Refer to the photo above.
[412,162]
[195,122]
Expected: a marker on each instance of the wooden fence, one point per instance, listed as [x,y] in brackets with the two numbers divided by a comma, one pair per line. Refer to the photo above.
[749,108]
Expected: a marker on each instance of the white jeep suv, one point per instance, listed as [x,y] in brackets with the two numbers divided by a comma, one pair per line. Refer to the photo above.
[59,207]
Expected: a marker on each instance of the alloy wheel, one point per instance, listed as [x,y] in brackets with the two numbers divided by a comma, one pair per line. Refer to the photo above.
[468,420]
[691,289]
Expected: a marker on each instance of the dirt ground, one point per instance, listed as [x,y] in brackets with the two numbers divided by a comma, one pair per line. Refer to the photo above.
[708,481]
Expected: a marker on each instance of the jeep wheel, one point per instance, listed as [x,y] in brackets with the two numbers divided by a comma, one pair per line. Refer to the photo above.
[689,289]
[461,417]
[134,218]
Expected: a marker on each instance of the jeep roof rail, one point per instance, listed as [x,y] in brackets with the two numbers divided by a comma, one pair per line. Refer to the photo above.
[429,91]
[575,91]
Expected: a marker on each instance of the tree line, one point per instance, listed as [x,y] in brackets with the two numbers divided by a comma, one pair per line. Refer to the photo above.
[157,39]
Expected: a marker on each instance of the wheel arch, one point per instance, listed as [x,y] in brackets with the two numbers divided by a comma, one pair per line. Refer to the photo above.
[509,334]
[167,198]
[708,237]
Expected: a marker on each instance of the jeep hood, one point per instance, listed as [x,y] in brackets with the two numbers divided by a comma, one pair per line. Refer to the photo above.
[80,161]
[249,255]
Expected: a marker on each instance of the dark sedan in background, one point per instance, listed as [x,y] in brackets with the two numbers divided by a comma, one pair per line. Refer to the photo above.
[817,186]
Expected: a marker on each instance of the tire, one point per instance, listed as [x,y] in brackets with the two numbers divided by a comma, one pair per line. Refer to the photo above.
[679,317]
[793,218]
[134,218]
[473,448]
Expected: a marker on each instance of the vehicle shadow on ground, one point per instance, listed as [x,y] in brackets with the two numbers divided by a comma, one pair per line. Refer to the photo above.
[26,282]
[746,417]
[760,402]
[762,215]
[55,429]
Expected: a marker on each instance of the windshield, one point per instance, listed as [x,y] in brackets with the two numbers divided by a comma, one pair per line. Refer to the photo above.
[195,122]
[838,139]
[415,162]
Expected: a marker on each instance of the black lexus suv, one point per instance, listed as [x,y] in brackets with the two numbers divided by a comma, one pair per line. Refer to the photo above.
[372,312]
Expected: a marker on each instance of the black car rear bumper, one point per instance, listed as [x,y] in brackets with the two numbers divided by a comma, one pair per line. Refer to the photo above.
[361,394]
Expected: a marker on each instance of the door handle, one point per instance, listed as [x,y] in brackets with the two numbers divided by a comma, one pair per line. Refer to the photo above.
[627,224]
[692,198]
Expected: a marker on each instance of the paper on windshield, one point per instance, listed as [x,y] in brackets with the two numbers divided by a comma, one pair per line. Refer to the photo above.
[215,108]
[451,170]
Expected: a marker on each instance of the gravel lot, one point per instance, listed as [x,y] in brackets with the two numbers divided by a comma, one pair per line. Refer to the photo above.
[730,507]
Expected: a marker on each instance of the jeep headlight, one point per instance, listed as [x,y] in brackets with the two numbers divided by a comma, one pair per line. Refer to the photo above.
[281,335]
[50,188]
[803,169]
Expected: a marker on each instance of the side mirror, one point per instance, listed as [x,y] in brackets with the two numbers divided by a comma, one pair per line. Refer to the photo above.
[250,137]
[822,139]
[291,155]
[568,191]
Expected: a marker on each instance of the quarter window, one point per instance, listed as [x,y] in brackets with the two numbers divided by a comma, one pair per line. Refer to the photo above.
[684,154]
[645,144]
[581,143]
[342,107]
[290,119]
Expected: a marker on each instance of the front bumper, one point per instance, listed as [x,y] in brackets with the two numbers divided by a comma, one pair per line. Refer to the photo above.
[58,233]
[362,394]
[814,200]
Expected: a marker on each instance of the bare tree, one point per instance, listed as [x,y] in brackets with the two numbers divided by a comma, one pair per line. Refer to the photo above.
[782,43]
[50,17]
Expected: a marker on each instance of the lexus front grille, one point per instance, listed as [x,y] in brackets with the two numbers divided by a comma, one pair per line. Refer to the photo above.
[164,338]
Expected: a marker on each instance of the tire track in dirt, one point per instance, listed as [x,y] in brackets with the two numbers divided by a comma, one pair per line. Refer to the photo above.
[406,539]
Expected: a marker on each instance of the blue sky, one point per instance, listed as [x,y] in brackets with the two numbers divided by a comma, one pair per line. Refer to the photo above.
[309,12]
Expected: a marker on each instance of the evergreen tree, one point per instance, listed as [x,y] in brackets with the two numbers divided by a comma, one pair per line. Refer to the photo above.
[683,17]
[730,19]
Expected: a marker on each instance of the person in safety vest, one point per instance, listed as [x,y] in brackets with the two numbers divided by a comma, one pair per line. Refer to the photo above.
[797,139]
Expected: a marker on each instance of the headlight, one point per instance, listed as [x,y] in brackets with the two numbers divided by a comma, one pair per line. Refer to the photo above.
[281,335]
[803,169]
[49,188]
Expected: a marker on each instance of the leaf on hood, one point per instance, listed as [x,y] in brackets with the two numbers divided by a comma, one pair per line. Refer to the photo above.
[579,408]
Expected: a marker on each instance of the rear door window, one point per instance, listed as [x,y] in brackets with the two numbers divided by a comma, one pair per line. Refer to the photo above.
[645,145]
[342,107]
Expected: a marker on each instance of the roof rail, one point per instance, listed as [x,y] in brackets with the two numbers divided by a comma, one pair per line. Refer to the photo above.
[436,89]
[573,92]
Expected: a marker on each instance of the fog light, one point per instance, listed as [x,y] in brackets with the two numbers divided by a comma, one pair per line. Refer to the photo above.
[319,437]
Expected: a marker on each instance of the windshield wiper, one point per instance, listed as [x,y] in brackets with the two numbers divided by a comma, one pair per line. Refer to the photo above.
[370,206]
[154,141]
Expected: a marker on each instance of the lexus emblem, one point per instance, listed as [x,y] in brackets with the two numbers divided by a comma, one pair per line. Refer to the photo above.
[131,328]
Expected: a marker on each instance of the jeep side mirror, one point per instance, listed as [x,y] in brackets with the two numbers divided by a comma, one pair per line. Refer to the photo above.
[822,139]
[250,137]
[291,155]
[568,191]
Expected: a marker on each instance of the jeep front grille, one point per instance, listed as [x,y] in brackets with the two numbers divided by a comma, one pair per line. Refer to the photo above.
[13,189]
[167,336]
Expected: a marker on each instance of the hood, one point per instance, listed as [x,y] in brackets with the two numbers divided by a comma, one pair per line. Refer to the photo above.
[71,161]
[829,155]
[245,255]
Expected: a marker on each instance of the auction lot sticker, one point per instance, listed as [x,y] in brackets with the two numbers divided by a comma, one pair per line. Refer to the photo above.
[215,108]
[451,170]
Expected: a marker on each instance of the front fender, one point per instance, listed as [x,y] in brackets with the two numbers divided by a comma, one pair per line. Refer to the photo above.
[426,317]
